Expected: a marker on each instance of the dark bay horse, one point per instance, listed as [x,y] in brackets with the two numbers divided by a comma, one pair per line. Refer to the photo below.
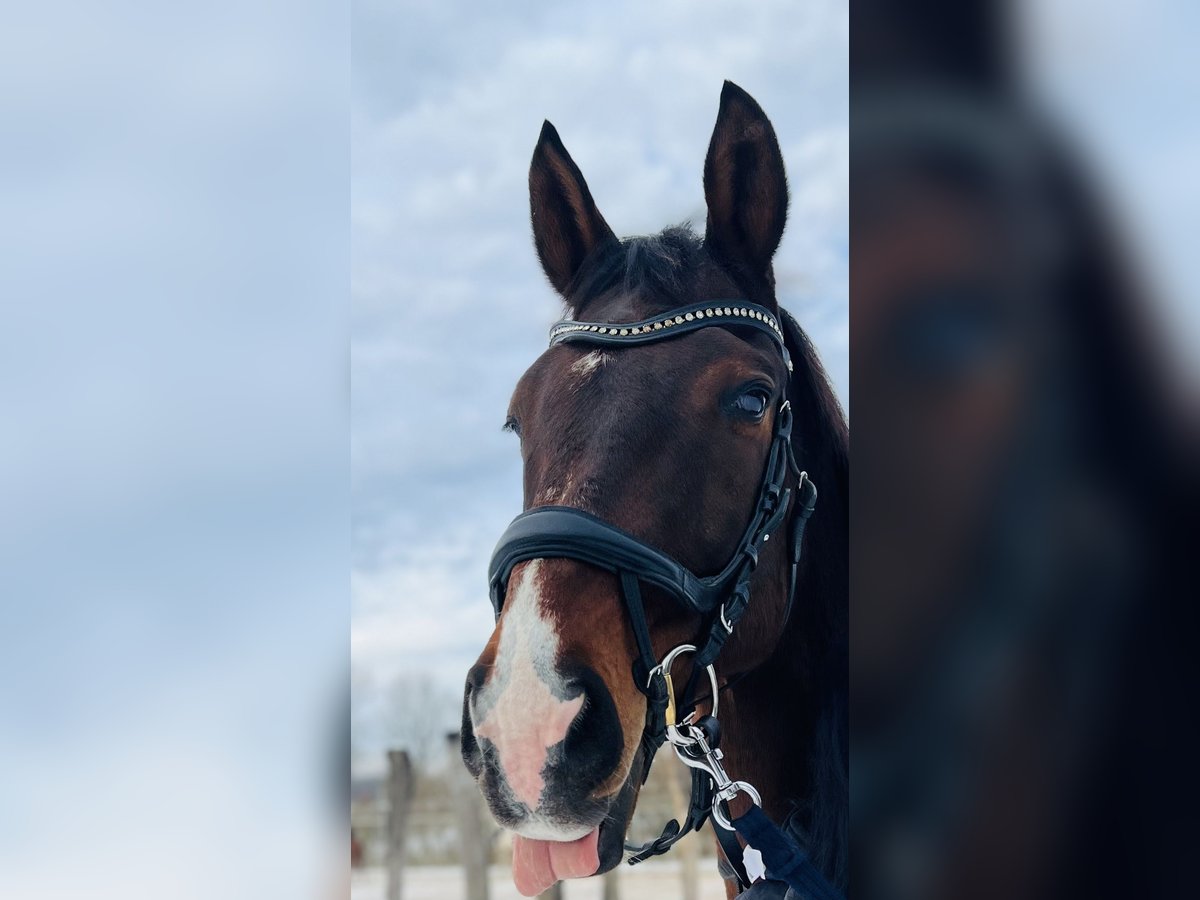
[668,441]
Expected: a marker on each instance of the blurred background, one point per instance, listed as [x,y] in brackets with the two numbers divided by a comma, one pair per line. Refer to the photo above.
[174,262]
[450,306]
[1023,346]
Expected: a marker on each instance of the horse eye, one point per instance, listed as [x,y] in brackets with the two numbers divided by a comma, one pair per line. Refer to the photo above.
[753,403]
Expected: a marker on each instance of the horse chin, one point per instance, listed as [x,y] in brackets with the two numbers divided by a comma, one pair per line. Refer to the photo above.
[611,843]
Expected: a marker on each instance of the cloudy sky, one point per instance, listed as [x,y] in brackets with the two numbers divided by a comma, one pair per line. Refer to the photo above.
[449,304]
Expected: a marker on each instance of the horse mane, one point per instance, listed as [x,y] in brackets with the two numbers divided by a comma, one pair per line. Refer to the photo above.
[658,267]
[818,631]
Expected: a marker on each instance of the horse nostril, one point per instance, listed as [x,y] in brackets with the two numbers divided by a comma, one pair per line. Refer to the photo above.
[594,742]
[476,678]
[471,753]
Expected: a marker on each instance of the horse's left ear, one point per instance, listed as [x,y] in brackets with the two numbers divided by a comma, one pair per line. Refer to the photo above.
[744,185]
[567,226]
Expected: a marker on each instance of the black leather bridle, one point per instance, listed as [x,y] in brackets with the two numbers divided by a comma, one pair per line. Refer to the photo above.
[721,599]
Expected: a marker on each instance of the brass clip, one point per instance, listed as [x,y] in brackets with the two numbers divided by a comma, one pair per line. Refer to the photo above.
[670,714]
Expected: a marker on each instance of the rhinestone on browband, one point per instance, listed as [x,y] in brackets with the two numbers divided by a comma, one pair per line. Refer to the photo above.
[679,320]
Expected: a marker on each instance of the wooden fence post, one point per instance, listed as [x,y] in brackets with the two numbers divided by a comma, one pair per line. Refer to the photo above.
[612,884]
[399,791]
[687,849]
[474,847]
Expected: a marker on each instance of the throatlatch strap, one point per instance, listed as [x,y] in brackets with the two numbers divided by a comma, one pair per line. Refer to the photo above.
[806,502]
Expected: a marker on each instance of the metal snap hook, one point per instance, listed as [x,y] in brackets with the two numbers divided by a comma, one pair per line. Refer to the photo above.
[697,754]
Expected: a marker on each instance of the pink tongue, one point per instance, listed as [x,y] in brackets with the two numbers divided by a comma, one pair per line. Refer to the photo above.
[537,865]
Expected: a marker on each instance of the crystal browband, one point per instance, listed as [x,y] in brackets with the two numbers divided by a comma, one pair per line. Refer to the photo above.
[677,321]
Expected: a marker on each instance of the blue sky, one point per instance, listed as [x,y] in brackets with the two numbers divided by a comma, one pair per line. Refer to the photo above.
[449,305]
[173,544]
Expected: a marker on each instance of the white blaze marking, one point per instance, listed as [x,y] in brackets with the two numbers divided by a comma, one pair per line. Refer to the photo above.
[553,493]
[520,711]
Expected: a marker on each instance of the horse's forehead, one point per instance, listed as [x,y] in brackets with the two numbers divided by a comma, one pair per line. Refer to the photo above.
[597,409]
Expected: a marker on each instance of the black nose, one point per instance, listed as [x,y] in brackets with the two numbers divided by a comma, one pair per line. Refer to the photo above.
[575,768]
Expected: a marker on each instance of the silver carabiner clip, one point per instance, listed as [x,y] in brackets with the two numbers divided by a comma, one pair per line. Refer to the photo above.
[691,746]
[674,735]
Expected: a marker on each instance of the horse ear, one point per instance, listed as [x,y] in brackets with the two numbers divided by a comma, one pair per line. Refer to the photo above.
[744,185]
[567,227]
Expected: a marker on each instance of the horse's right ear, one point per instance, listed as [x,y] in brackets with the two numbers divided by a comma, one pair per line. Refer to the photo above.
[567,227]
[744,185]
